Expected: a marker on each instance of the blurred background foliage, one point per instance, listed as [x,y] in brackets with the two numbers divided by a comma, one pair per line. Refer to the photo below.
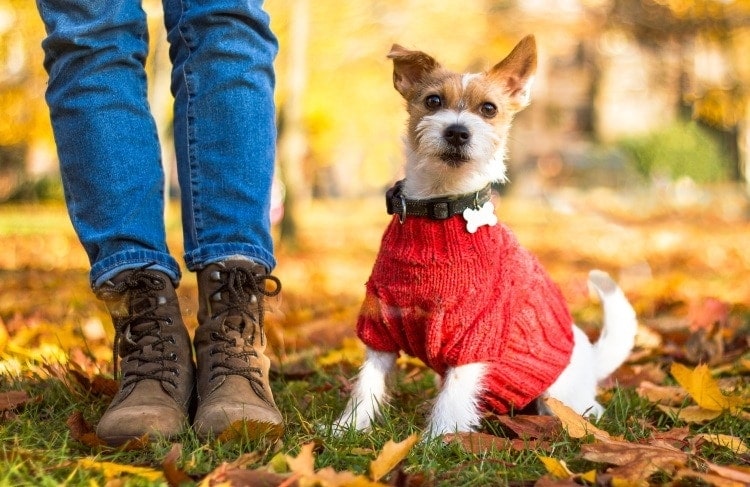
[656,88]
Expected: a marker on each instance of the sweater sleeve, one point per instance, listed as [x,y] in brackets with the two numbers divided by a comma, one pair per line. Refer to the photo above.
[371,328]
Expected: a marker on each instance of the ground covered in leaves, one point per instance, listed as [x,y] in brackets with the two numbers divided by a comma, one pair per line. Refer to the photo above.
[677,412]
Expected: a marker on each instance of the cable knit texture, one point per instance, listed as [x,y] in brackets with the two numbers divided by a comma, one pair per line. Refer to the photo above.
[451,298]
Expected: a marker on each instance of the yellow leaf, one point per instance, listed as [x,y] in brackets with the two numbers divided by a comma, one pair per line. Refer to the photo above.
[589,477]
[574,423]
[390,456]
[352,351]
[703,388]
[556,468]
[112,470]
[4,337]
[732,442]
[690,414]
[304,463]
[328,477]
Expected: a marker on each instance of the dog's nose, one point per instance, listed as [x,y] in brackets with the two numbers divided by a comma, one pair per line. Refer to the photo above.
[457,135]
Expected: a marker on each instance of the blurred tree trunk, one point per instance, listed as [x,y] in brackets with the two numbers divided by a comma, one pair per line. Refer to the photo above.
[293,143]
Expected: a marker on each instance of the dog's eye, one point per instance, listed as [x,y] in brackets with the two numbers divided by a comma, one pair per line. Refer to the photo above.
[433,102]
[488,110]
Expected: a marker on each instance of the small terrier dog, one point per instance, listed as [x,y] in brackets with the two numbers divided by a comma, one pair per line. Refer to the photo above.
[453,287]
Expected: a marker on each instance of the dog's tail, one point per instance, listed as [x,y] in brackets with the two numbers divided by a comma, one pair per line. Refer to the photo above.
[620,325]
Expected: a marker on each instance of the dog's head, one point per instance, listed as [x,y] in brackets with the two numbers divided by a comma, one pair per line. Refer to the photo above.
[458,123]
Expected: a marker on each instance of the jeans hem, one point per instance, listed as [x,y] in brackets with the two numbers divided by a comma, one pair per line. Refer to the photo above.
[207,254]
[108,268]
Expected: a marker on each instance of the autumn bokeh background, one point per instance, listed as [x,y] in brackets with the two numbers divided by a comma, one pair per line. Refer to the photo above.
[632,156]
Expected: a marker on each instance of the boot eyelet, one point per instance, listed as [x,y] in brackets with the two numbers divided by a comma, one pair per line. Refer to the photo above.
[173,357]
[214,335]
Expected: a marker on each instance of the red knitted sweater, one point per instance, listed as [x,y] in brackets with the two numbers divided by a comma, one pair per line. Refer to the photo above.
[451,298]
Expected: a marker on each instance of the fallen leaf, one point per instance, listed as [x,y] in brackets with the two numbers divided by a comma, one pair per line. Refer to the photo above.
[328,477]
[4,336]
[731,442]
[703,388]
[251,430]
[352,352]
[477,443]
[690,414]
[12,400]
[228,475]
[81,430]
[173,474]
[112,470]
[530,426]
[575,424]
[635,461]
[556,468]
[713,480]
[739,474]
[391,455]
[669,395]
[304,462]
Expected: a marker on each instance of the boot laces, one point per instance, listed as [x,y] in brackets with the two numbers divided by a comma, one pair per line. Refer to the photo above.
[138,334]
[241,296]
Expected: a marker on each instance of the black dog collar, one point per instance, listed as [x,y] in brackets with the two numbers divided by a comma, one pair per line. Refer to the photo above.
[434,208]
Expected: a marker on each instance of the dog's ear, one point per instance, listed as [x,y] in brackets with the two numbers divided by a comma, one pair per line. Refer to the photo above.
[517,71]
[409,67]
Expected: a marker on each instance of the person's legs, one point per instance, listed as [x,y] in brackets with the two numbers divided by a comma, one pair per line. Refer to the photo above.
[106,138]
[109,160]
[225,132]
[225,135]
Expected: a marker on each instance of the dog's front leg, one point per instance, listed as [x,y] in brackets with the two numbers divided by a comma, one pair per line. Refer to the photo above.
[456,407]
[369,392]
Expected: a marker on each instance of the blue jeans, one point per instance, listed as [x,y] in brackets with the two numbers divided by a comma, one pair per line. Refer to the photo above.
[222,54]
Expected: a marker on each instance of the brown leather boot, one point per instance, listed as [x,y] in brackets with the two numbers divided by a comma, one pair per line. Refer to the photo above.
[156,363]
[230,346]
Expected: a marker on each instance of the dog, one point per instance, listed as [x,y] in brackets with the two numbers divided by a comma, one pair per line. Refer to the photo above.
[452,286]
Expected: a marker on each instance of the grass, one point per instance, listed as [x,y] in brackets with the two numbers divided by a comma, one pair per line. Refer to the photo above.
[37,448]
[45,302]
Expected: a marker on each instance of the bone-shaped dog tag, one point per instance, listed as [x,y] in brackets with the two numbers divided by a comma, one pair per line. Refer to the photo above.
[481,216]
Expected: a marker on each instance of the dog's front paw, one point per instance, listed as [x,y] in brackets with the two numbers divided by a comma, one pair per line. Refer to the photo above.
[350,419]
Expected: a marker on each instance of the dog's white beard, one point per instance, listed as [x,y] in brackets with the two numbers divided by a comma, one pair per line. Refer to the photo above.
[429,176]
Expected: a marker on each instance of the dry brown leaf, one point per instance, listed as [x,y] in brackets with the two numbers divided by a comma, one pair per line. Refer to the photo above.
[477,443]
[713,480]
[633,375]
[669,395]
[173,474]
[532,427]
[574,423]
[737,473]
[228,475]
[101,385]
[12,400]
[251,430]
[635,462]
[690,414]
[391,455]
[81,431]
